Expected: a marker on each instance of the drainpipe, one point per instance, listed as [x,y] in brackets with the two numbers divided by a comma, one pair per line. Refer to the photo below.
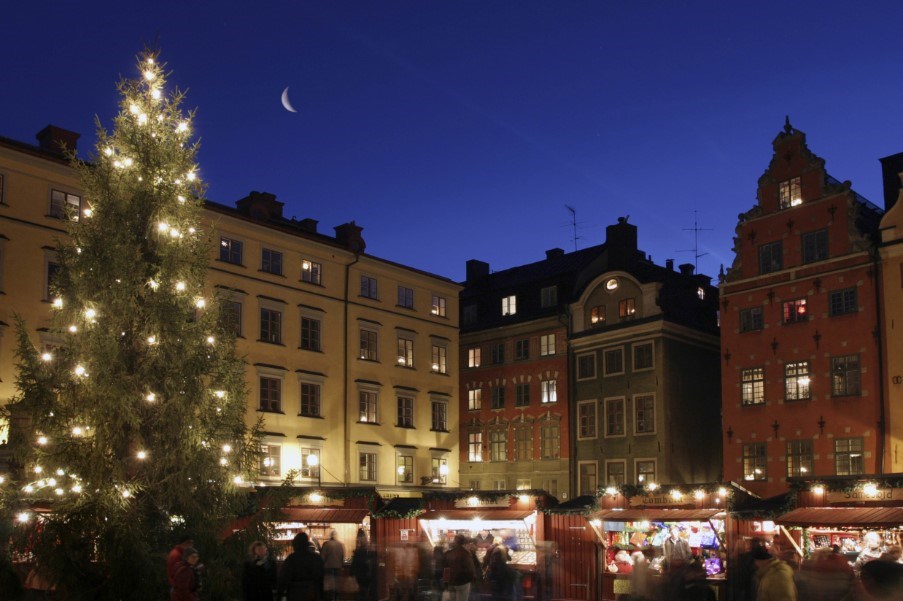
[573,484]
[346,369]
[879,340]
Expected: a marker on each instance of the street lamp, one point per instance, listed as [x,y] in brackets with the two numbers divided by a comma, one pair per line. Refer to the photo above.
[313,463]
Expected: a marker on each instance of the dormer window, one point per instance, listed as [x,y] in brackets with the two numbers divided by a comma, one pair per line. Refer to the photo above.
[789,192]
[509,305]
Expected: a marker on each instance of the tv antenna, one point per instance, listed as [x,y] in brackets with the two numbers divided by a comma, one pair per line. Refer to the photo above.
[695,250]
[573,212]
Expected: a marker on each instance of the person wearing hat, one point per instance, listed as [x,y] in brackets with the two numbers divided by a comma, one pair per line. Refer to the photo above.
[461,569]
[175,557]
[774,576]
[185,581]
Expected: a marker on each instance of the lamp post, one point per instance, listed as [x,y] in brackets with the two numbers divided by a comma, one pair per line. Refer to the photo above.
[313,462]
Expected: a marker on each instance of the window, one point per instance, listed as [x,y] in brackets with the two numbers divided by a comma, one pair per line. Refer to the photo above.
[550,485]
[230,250]
[368,287]
[549,392]
[368,401]
[614,417]
[548,296]
[473,357]
[752,386]
[439,416]
[586,366]
[52,280]
[845,375]
[498,397]
[270,394]
[369,345]
[271,261]
[270,460]
[751,319]
[232,316]
[627,308]
[770,257]
[310,399]
[522,394]
[270,326]
[547,345]
[405,412]
[367,467]
[498,445]
[405,297]
[310,334]
[644,410]
[799,458]
[848,456]
[440,359]
[789,193]
[2,201]
[475,399]
[550,441]
[439,470]
[795,311]
[796,381]
[64,205]
[307,470]
[589,477]
[474,485]
[645,470]
[524,484]
[522,349]
[509,305]
[469,315]
[497,353]
[613,361]
[439,306]
[597,316]
[523,443]
[586,419]
[405,352]
[700,293]
[642,356]
[405,469]
[841,302]
[475,446]
[615,473]
[754,460]
[311,272]
[815,246]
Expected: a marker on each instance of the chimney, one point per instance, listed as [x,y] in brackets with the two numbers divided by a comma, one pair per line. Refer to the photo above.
[349,236]
[476,270]
[620,244]
[891,172]
[57,140]
[686,269]
[554,253]
[669,264]
[308,225]
[261,206]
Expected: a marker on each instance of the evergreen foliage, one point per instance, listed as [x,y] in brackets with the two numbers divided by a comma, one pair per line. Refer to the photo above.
[130,428]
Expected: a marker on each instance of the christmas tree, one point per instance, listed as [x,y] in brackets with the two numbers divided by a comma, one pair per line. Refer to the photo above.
[132,428]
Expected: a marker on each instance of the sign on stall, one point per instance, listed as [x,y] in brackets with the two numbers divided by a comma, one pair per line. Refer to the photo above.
[646,500]
[860,496]
[474,502]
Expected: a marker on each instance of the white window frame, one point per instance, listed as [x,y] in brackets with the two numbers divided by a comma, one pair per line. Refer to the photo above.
[547,345]
[636,469]
[474,356]
[509,305]
[605,403]
[580,377]
[548,392]
[622,463]
[274,373]
[595,404]
[369,449]
[633,349]
[654,414]
[605,351]
[474,399]
[580,489]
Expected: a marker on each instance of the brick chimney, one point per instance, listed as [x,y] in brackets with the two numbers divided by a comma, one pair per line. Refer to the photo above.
[477,270]
[349,235]
[686,269]
[554,253]
[620,244]
[261,206]
[57,140]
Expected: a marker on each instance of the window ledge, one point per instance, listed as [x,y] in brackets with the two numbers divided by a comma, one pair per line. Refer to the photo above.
[311,416]
[259,410]
[412,309]
[445,430]
[372,298]
[368,423]
[311,283]
[400,366]
[268,342]
[310,350]
[231,263]
[405,427]
[365,360]
[440,373]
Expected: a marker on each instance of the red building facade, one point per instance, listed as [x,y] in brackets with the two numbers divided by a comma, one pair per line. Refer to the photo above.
[800,337]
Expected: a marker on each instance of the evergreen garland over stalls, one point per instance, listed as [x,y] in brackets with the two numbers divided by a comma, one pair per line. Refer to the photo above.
[131,429]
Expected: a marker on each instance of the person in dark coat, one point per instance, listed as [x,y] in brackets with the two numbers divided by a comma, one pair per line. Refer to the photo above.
[301,577]
[258,578]
[500,575]
[461,573]
[186,580]
[362,566]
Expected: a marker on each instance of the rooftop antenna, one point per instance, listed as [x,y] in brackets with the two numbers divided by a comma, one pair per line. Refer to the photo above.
[695,250]
[573,212]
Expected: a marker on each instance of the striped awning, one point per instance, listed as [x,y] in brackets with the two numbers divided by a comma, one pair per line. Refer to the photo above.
[658,515]
[887,517]
[325,515]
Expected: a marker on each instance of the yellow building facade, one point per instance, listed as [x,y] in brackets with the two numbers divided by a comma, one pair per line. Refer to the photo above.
[351,359]
[891,251]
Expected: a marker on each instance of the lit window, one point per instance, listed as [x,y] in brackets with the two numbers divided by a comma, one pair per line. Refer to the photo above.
[475,399]
[473,357]
[367,467]
[754,460]
[369,345]
[270,460]
[795,311]
[523,443]
[549,441]
[789,193]
[475,446]
[752,382]
[799,458]
[509,305]
[405,352]
[498,445]
[547,345]
[848,456]
[549,390]
[440,359]
[367,403]
[311,272]
[627,308]
[796,381]
[439,306]
[612,284]
[700,292]
[405,469]
[230,250]
[597,315]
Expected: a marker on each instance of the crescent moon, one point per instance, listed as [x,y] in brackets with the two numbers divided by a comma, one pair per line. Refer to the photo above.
[286,103]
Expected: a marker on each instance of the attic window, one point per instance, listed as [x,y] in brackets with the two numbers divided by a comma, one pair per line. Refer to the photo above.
[700,292]
[789,192]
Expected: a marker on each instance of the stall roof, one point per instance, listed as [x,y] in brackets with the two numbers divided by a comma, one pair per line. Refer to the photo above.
[477,512]
[843,516]
[325,514]
[657,515]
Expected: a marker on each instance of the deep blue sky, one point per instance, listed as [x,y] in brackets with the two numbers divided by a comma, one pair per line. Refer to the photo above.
[460,129]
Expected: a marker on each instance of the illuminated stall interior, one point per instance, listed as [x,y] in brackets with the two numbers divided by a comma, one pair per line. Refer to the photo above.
[846,527]
[318,524]
[516,528]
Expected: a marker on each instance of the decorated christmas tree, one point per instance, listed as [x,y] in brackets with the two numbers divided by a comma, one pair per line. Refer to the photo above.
[130,428]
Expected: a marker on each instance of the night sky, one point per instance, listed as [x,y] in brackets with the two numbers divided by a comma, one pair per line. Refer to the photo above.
[460,129]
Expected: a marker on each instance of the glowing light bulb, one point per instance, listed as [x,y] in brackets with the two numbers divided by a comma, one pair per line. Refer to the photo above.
[238,480]
[676,495]
[28,488]
[180,286]
[38,469]
[142,119]
[126,494]
[60,472]
[149,75]
[73,329]
[128,162]
[153,284]
[163,227]
[88,212]
[57,303]
[108,151]
[200,303]
[58,491]
[155,94]
[117,164]
[191,176]
[180,198]
[870,489]
[133,109]
[818,489]
[191,230]
[90,313]
[174,233]
[152,340]
[150,397]
[23,517]
[652,486]
[77,488]
[183,126]
[80,371]
[722,492]
[142,455]
[220,394]
[51,482]
[42,440]
[210,339]
[46,356]
[223,461]
[78,431]
[699,495]
[227,448]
